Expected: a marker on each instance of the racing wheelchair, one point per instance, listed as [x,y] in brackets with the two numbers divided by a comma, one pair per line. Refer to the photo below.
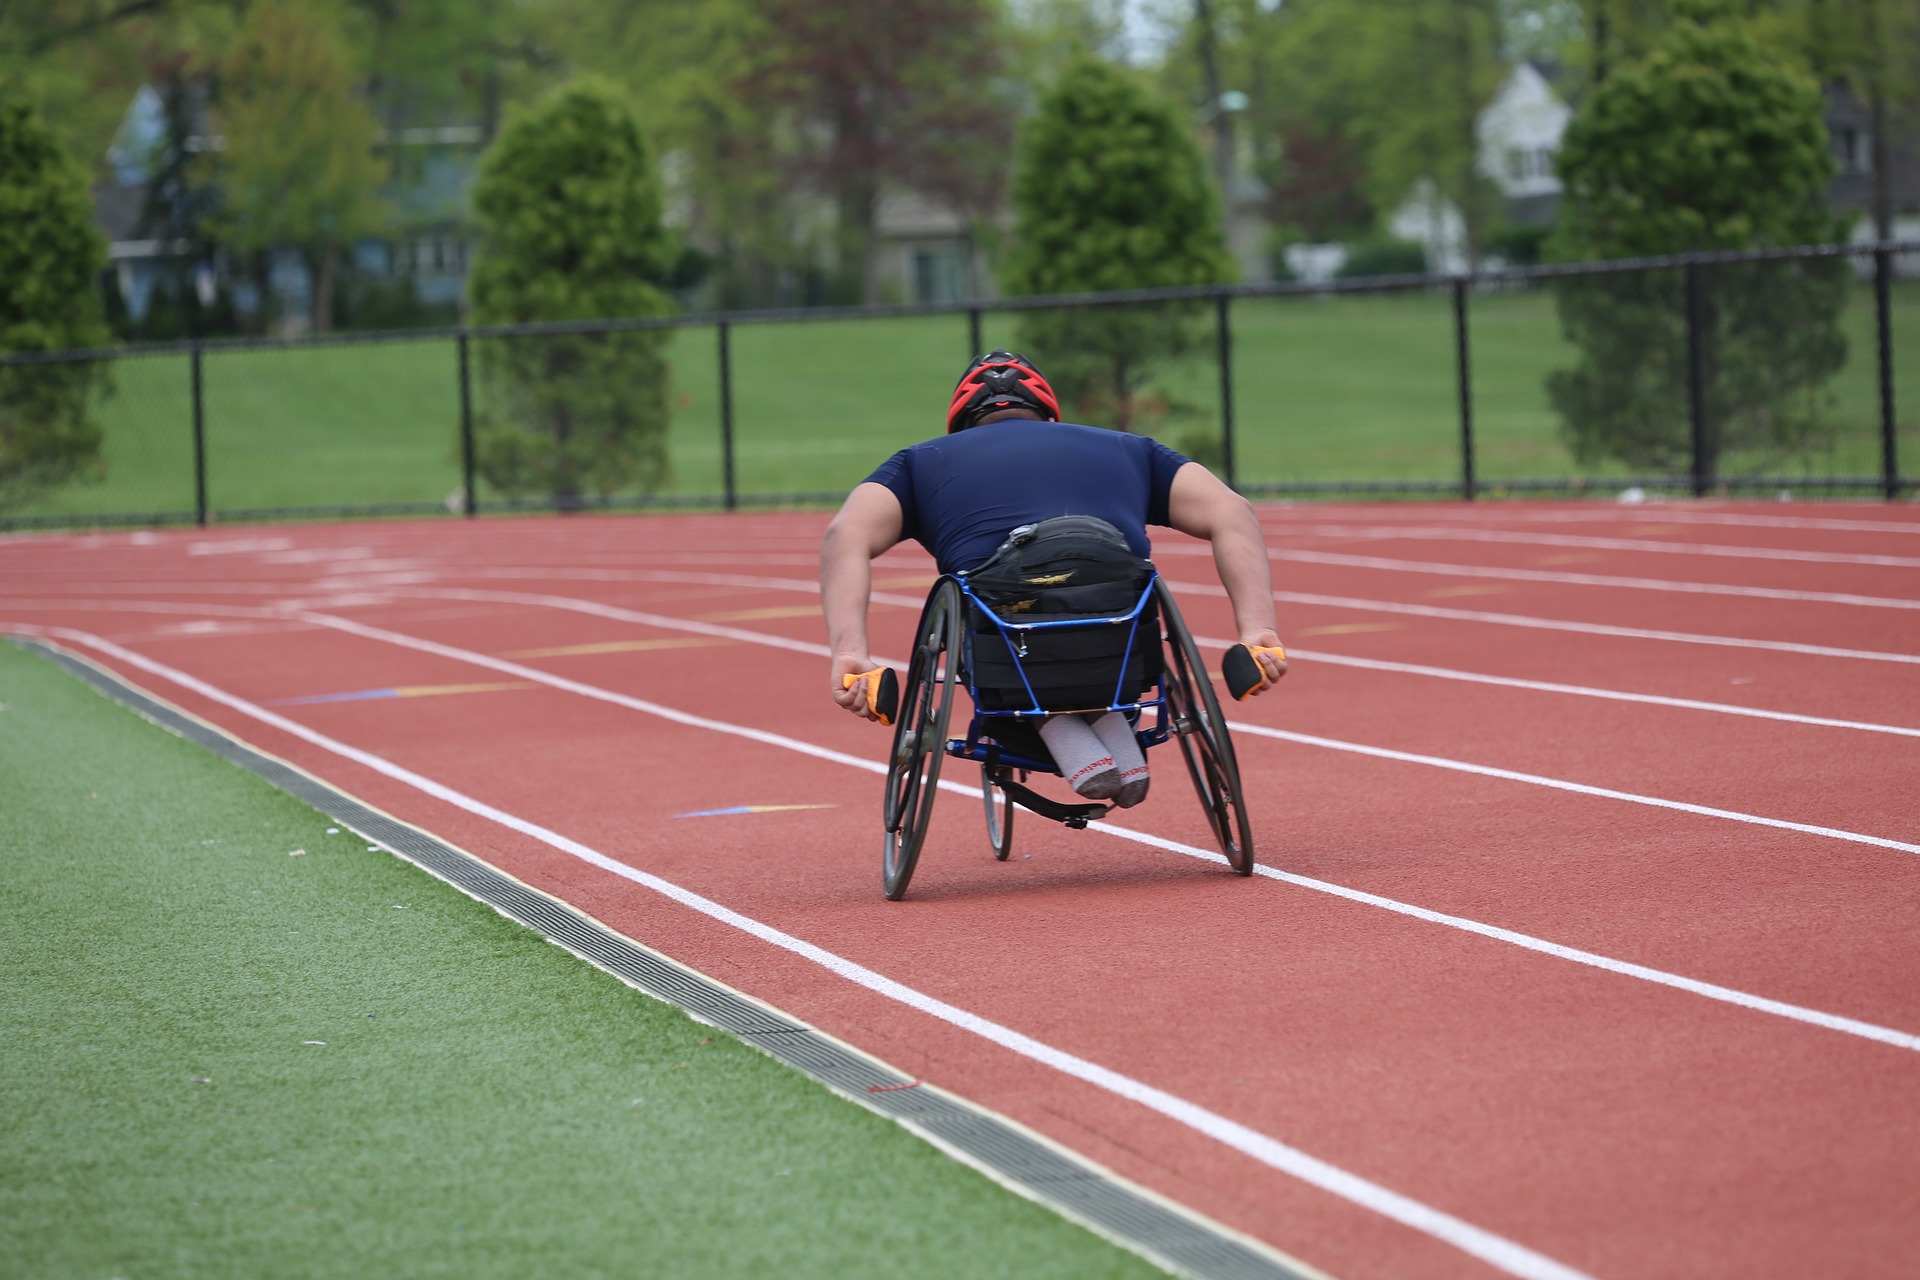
[1041,654]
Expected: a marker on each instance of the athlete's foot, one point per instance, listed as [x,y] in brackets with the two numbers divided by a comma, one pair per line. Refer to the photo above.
[1103,785]
[1133,787]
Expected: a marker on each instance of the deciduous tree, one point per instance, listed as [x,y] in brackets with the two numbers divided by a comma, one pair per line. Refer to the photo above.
[298,168]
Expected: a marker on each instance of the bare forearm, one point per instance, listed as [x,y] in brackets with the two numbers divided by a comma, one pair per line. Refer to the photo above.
[846,580]
[1240,558]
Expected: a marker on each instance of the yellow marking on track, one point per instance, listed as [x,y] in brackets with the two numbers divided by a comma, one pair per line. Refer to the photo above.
[1572,557]
[1488,589]
[435,690]
[1352,629]
[757,615]
[616,646]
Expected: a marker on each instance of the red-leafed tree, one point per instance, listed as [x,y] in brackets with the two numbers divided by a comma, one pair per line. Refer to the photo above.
[886,93]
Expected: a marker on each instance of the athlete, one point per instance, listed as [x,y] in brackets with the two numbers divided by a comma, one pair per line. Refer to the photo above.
[1006,461]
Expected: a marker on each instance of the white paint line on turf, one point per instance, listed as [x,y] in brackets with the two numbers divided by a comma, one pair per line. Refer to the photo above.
[1497,1251]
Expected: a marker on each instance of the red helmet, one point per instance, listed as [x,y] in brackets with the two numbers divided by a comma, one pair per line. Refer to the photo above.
[1000,380]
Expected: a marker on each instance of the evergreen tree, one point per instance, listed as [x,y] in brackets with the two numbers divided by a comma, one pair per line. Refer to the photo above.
[1110,192]
[1707,143]
[50,263]
[569,213]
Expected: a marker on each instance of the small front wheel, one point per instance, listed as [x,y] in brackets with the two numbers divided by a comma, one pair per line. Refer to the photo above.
[999,811]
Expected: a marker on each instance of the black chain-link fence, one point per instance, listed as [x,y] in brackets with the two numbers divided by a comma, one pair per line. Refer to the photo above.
[1736,372]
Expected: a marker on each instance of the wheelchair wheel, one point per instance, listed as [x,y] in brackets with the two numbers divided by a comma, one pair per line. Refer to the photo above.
[1202,731]
[920,735]
[999,811]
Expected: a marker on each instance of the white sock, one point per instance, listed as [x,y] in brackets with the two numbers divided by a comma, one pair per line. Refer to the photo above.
[1083,759]
[1117,736]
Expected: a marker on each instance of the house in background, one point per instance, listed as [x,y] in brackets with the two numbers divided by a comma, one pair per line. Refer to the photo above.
[417,271]
[1518,136]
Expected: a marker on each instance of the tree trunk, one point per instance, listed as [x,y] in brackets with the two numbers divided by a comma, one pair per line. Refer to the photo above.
[325,266]
[1221,121]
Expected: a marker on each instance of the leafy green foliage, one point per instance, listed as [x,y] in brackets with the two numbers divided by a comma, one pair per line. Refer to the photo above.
[1111,193]
[569,211]
[298,168]
[1707,143]
[50,259]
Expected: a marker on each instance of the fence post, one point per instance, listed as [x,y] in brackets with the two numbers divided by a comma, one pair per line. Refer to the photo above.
[1223,326]
[973,332]
[1882,305]
[1464,369]
[471,500]
[199,440]
[1696,390]
[726,416]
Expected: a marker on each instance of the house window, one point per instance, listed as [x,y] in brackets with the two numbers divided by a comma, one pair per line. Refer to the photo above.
[1853,148]
[937,274]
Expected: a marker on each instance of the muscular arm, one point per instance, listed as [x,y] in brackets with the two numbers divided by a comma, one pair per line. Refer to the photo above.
[1201,505]
[867,524]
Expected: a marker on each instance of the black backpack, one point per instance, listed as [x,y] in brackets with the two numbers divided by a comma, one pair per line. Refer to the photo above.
[1059,570]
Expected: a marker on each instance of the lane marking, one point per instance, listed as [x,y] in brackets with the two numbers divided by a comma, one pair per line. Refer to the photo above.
[398,691]
[1016,1157]
[1606,515]
[666,622]
[617,613]
[611,646]
[1338,602]
[739,810]
[1506,1255]
[1713,991]
[1594,580]
[1580,788]
[638,704]
[1612,544]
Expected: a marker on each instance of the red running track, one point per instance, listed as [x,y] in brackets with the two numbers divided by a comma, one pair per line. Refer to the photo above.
[1588,935]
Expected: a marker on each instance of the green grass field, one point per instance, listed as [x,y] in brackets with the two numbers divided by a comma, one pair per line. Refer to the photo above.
[1353,388]
[483,1104]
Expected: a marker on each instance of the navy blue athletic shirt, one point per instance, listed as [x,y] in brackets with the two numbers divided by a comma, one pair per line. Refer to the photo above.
[962,494]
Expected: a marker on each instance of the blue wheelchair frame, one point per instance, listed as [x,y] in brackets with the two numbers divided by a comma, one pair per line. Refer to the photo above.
[993,753]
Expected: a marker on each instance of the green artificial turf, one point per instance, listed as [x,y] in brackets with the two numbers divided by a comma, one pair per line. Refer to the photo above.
[482,1103]
[1332,388]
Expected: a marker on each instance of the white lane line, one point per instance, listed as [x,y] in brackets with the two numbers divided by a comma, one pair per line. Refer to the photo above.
[619,614]
[1652,513]
[1497,1251]
[1579,788]
[1712,991]
[1577,628]
[665,622]
[1582,579]
[1583,691]
[1460,766]
[1441,533]
[1336,602]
